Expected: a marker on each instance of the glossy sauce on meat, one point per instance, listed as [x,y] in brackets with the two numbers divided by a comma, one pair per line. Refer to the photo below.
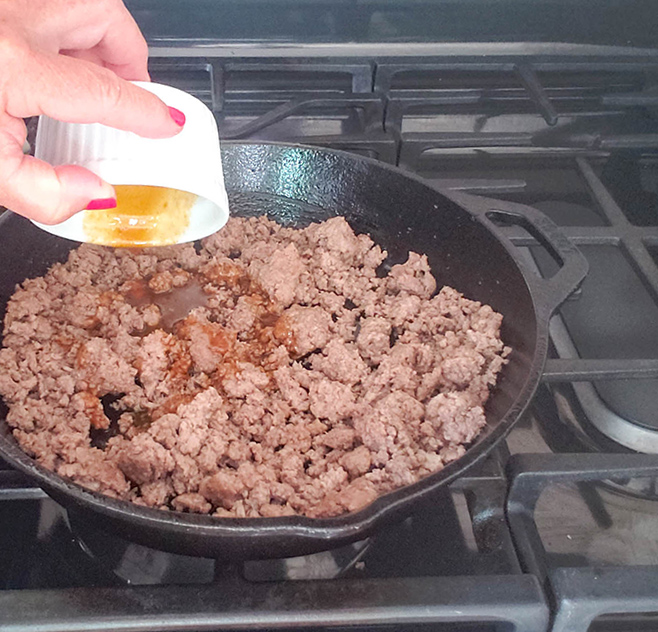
[174,304]
[177,306]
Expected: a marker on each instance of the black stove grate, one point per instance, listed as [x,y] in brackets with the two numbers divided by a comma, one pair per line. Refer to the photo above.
[545,129]
[460,604]
[430,572]
[579,595]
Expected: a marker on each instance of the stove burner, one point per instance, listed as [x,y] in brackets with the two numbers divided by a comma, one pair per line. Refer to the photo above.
[324,565]
[609,415]
[565,429]
[136,564]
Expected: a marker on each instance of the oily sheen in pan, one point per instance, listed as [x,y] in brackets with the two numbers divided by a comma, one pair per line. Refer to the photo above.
[273,371]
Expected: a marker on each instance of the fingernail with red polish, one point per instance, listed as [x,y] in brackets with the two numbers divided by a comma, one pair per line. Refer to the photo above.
[178,116]
[101,204]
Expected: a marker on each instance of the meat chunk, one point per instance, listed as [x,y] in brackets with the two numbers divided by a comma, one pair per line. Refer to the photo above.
[464,368]
[163,363]
[143,460]
[192,502]
[330,400]
[357,462]
[209,342]
[245,380]
[91,405]
[162,282]
[245,314]
[291,389]
[303,329]
[358,494]
[374,340]
[279,273]
[102,369]
[338,438]
[222,489]
[336,236]
[414,277]
[341,362]
[455,416]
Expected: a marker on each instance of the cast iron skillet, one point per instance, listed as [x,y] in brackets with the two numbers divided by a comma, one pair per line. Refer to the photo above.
[296,185]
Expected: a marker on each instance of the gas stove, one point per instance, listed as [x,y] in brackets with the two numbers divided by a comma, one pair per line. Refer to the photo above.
[557,529]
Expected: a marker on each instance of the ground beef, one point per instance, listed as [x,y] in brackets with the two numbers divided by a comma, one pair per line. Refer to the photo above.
[271,372]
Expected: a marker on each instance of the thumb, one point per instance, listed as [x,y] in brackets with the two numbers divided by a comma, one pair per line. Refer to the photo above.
[47,194]
[78,189]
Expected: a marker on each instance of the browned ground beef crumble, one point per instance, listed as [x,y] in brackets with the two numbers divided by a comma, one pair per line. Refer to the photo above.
[300,382]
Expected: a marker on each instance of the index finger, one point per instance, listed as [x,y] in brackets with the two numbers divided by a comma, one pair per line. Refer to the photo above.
[78,91]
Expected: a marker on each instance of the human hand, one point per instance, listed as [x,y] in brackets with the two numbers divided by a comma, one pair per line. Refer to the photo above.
[70,60]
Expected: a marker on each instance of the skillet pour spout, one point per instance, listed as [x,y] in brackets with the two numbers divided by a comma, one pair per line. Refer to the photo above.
[467,249]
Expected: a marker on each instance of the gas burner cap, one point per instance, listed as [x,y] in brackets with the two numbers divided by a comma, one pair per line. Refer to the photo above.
[324,565]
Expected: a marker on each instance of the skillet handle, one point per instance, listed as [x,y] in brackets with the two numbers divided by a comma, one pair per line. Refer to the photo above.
[552,291]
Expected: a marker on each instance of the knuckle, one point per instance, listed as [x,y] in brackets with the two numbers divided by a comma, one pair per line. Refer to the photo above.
[110,89]
[13,50]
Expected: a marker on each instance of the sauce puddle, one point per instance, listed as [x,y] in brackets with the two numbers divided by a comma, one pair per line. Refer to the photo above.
[175,305]
[256,346]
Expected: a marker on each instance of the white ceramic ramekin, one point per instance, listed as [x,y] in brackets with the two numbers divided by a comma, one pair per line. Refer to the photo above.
[190,161]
